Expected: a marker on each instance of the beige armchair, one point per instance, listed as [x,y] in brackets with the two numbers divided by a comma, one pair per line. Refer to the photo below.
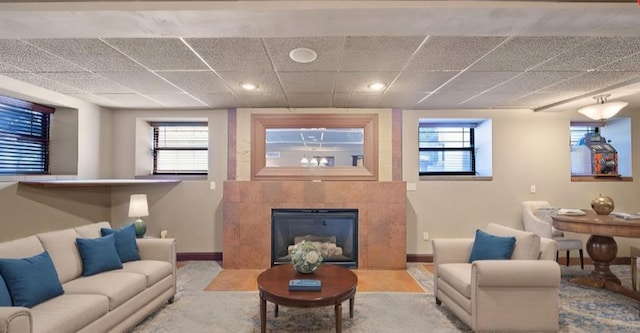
[541,224]
[520,294]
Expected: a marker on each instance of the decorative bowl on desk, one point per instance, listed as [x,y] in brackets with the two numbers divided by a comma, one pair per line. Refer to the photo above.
[602,204]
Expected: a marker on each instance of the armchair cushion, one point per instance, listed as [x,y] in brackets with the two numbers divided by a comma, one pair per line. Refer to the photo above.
[491,247]
[527,243]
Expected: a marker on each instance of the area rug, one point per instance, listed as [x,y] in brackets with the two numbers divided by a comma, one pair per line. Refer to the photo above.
[196,310]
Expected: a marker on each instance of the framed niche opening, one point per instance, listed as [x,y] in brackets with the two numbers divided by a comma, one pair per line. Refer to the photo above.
[285,147]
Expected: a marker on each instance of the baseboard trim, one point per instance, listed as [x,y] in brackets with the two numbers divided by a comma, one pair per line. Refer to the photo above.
[419,257]
[210,256]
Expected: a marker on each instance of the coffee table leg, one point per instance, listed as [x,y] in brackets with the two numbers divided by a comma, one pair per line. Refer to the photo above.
[351,307]
[263,315]
[338,317]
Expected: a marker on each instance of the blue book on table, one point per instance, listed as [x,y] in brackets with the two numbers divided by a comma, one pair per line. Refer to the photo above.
[305,285]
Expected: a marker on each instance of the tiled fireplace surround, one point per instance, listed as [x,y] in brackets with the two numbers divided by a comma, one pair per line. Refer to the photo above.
[382,216]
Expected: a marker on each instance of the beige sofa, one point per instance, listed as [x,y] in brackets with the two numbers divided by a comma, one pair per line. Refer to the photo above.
[520,294]
[111,301]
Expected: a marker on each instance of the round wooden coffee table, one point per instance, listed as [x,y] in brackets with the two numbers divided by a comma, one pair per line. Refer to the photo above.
[338,285]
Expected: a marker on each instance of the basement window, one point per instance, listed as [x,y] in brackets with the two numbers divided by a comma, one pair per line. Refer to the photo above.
[24,137]
[601,151]
[452,147]
[180,148]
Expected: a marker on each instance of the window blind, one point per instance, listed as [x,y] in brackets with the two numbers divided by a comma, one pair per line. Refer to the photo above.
[181,148]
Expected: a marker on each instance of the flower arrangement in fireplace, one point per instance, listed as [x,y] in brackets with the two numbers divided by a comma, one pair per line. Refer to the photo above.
[305,257]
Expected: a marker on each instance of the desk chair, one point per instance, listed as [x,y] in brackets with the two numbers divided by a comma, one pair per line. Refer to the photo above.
[539,221]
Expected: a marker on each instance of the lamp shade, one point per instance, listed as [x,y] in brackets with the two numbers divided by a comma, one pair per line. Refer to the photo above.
[138,205]
[602,111]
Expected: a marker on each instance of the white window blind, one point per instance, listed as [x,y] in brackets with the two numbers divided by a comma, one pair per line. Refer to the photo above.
[446,149]
[180,148]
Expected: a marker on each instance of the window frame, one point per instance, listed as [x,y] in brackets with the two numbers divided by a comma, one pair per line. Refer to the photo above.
[29,111]
[155,125]
[471,149]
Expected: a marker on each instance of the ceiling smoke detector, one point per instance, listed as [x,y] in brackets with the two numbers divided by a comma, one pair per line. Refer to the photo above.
[303,55]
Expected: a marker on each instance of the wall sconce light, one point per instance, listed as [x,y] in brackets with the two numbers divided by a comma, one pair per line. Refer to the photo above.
[138,208]
[602,110]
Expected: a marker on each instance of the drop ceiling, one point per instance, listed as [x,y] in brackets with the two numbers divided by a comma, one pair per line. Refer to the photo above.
[430,54]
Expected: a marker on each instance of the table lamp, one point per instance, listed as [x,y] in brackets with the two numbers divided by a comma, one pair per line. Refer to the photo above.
[138,208]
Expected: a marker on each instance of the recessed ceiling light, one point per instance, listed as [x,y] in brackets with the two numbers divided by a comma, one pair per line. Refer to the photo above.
[303,55]
[377,86]
[248,86]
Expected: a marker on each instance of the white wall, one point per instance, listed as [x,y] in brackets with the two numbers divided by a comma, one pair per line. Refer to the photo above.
[528,149]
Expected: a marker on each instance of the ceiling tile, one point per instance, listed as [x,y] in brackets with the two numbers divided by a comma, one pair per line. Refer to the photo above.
[89,82]
[421,81]
[30,58]
[176,100]
[40,81]
[356,82]
[521,53]
[445,100]
[132,100]
[631,63]
[592,81]
[476,81]
[593,54]
[539,99]
[232,54]
[89,53]
[328,49]
[222,100]
[532,81]
[99,100]
[452,53]
[307,82]
[309,100]
[158,53]
[264,100]
[399,100]
[489,100]
[267,81]
[142,82]
[6,68]
[201,82]
[378,54]
[355,100]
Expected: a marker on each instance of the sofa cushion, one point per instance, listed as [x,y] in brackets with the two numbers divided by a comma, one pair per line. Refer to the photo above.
[458,276]
[91,230]
[491,247]
[31,280]
[153,270]
[117,285]
[125,242]
[68,313]
[5,297]
[527,243]
[21,248]
[61,246]
[98,254]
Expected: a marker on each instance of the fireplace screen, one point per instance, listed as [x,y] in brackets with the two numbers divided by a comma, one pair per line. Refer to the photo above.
[333,231]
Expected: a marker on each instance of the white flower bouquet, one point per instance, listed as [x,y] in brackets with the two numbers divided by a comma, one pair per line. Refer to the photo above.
[305,257]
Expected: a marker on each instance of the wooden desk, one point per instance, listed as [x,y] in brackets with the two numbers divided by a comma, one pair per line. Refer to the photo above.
[601,246]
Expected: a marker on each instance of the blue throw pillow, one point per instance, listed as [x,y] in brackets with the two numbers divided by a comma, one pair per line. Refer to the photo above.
[490,247]
[98,254]
[125,242]
[5,297]
[31,280]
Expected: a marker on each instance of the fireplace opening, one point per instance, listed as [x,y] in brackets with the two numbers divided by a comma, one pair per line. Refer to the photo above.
[333,231]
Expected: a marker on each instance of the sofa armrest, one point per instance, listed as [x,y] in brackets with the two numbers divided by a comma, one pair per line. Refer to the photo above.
[451,250]
[515,273]
[15,319]
[163,249]
[548,249]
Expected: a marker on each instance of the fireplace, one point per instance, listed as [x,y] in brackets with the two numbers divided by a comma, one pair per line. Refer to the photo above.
[333,231]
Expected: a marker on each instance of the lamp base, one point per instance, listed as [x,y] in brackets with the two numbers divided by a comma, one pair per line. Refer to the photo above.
[140,228]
